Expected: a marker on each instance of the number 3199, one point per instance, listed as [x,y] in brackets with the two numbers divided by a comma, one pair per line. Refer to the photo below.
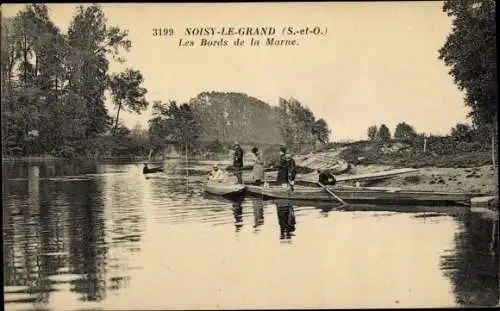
[163,32]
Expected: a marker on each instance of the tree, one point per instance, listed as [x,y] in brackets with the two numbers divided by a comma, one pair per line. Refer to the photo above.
[404,131]
[91,41]
[230,116]
[372,132]
[173,123]
[383,133]
[298,125]
[128,93]
[470,51]
[462,133]
[320,130]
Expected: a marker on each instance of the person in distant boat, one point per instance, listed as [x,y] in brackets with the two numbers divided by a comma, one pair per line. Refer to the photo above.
[258,167]
[238,162]
[147,170]
[216,174]
[326,177]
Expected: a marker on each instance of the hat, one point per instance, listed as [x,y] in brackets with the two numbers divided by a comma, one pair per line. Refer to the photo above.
[215,166]
[236,143]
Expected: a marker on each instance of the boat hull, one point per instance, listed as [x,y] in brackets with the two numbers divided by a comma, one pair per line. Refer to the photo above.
[225,189]
[362,195]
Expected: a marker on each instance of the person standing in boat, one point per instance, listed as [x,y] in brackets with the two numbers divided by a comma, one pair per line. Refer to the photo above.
[258,167]
[238,162]
[282,177]
[291,169]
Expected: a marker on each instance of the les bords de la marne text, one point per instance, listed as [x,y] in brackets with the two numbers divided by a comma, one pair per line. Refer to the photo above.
[221,36]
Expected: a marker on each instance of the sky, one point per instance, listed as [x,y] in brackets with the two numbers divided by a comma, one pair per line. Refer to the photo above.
[377,64]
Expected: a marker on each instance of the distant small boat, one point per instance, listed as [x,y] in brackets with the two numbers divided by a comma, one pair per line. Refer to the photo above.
[224,188]
[147,170]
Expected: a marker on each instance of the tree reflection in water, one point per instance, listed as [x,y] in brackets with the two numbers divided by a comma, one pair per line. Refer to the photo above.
[87,245]
[473,267]
[32,236]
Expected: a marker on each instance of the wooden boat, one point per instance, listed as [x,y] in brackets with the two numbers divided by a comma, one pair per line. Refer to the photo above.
[368,176]
[230,168]
[147,170]
[362,195]
[224,188]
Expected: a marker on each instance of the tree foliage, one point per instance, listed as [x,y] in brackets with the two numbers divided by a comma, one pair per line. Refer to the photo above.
[172,123]
[298,126]
[372,132]
[383,133]
[462,132]
[321,131]
[404,131]
[470,51]
[127,92]
[232,116]
[54,83]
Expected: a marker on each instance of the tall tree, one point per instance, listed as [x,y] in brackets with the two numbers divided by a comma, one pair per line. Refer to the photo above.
[462,132]
[128,93]
[404,131]
[91,40]
[297,124]
[372,132]
[173,123]
[383,133]
[470,51]
[320,130]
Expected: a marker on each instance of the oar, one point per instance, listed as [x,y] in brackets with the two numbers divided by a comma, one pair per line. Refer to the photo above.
[332,194]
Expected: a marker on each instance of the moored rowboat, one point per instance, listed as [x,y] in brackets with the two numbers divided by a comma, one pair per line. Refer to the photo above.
[224,188]
[363,195]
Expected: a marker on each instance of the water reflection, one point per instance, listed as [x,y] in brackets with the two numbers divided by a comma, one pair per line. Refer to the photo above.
[238,214]
[87,246]
[473,266]
[107,237]
[56,234]
[286,219]
[258,213]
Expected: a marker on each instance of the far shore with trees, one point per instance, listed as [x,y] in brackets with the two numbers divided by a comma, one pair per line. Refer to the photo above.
[54,86]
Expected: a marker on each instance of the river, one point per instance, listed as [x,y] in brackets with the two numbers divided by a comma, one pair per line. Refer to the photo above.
[83,236]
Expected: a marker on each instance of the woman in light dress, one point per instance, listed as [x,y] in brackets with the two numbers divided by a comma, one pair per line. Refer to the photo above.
[258,167]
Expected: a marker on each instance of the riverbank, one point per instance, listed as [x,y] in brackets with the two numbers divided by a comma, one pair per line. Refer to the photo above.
[470,172]
[471,180]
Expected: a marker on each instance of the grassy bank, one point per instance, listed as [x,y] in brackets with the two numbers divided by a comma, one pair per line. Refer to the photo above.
[448,169]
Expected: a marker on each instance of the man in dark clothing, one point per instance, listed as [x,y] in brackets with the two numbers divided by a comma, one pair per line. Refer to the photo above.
[238,162]
[282,177]
[291,168]
[326,178]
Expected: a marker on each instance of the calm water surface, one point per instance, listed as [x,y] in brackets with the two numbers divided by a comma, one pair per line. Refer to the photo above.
[86,236]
